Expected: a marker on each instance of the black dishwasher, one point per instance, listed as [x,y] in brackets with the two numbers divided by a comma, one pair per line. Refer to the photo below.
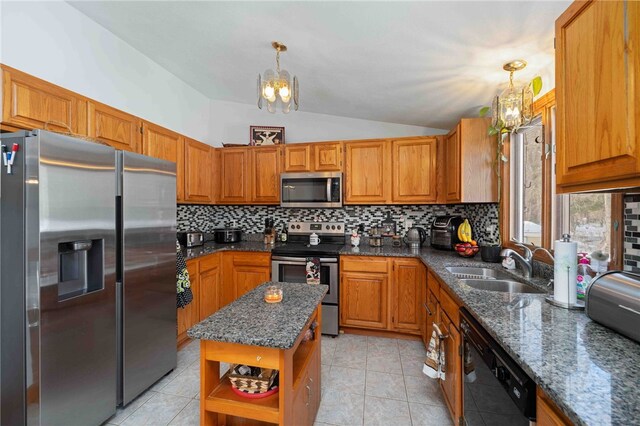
[496,390]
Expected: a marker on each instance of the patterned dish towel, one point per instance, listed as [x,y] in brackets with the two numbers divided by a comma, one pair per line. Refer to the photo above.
[185,296]
[434,365]
[313,270]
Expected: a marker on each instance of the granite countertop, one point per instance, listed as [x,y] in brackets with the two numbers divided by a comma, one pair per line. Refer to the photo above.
[211,247]
[250,320]
[591,372]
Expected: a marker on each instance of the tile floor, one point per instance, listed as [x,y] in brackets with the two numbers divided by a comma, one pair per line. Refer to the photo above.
[365,381]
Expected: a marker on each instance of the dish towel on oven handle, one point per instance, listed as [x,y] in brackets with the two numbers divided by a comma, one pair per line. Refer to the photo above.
[434,365]
[183,284]
[313,270]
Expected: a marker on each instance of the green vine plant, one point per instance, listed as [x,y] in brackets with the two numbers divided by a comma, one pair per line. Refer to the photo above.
[499,130]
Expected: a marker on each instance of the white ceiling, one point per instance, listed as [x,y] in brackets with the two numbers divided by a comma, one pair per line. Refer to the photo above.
[420,63]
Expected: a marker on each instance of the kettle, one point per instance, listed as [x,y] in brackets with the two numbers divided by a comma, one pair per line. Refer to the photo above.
[415,237]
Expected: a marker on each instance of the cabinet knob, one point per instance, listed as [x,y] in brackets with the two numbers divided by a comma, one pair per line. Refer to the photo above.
[258,358]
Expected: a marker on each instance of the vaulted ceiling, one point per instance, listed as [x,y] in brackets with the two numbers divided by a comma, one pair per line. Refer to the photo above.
[420,63]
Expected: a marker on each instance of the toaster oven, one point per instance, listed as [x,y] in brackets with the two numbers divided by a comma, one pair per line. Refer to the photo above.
[444,232]
[191,239]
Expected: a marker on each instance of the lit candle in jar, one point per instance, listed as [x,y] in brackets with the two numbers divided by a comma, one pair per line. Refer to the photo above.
[273,294]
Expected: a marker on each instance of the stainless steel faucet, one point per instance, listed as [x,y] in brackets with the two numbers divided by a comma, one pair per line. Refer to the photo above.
[526,261]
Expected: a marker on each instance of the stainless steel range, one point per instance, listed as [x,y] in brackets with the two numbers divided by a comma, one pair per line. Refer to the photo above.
[289,263]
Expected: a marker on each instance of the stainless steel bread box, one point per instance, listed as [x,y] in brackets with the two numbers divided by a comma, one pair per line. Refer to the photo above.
[613,300]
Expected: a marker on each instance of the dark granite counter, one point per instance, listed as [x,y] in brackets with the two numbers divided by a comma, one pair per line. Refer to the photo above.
[591,372]
[250,320]
[210,248]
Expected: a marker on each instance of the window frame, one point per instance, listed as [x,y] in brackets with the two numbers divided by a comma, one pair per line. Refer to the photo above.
[543,106]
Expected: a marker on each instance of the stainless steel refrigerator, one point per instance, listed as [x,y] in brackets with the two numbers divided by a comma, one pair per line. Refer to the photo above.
[87,279]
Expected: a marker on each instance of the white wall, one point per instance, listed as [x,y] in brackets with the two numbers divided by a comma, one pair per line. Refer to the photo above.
[55,42]
[230,123]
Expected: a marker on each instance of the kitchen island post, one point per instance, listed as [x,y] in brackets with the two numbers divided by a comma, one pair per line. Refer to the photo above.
[252,332]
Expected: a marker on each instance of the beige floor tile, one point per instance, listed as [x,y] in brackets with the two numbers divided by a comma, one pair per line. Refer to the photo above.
[382,345]
[385,362]
[412,366]
[189,416]
[124,412]
[349,380]
[159,410]
[341,408]
[429,415]
[385,385]
[411,348]
[186,383]
[350,357]
[423,390]
[384,412]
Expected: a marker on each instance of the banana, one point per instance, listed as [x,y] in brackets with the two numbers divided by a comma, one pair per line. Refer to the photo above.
[464,231]
[468,231]
[460,234]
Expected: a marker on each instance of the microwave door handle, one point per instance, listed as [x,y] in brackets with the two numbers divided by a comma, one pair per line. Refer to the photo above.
[329,180]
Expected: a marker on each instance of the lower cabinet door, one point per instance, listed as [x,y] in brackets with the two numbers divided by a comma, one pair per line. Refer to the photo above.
[209,291]
[363,300]
[409,280]
[246,278]
[452,385]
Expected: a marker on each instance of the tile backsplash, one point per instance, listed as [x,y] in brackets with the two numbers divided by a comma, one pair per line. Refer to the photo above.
[632,233]
[483,217]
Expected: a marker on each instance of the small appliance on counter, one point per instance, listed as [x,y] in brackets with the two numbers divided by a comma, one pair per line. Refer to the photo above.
[227,235]
[613,300]
[191,239]
[415,237]
[444,232]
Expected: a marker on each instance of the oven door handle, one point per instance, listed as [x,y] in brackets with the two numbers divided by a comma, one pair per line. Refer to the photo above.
[282,260]
[466,332]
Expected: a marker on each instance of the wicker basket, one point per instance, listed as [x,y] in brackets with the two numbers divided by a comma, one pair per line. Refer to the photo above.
[253,384]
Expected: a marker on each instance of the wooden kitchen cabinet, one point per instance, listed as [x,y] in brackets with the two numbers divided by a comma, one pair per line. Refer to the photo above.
[327,157]
[115,128]
[414,178]
[190,314]
[165,144]
[198,172]
[209,285]
[363,300]
[469,155]
[598,96]
[234,176]
[367,172]
[265,175]
[242,272]
[452,385]
[31,103]
[407,287]
[547,413]
[297,158]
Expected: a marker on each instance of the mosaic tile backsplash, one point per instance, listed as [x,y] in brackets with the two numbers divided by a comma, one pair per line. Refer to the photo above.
[483,217]
[632,233]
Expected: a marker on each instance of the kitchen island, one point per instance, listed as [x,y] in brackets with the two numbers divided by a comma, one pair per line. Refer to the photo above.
[252,332]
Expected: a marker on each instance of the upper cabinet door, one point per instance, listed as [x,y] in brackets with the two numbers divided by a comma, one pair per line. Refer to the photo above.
[234,178]
[597,93]
[453,191]
[297,158]
[31,103]
[414,170]
[160,143]
[198,172]
[115,128]
[265,174]
[327,157]
[367,172]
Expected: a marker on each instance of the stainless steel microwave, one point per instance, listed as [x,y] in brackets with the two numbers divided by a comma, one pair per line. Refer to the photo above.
[322,189]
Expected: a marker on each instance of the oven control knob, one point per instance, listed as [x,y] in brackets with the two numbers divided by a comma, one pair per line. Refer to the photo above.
[333,227]
[502,374]
[293,226]
[339,227]
[297,226]
[326,227]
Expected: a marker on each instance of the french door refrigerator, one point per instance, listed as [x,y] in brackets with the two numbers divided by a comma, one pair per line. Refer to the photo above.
[87,262]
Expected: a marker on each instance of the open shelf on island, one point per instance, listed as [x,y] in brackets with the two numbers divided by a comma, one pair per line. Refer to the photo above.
[224,400]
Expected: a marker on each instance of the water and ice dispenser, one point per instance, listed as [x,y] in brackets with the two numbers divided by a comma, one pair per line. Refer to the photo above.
[81,268]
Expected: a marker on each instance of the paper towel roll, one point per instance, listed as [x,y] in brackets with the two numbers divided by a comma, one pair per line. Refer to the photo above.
[565,271]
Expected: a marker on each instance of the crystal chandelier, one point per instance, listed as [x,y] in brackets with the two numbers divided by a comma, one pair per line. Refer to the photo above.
[514,106]
[278,88]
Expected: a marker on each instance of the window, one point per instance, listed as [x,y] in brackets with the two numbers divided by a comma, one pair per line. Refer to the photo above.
[536,215]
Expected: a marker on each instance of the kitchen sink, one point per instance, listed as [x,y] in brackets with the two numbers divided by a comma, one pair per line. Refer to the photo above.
[504,286]
[470,272]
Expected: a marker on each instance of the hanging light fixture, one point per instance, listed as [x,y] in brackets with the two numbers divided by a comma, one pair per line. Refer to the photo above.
[514,106]
[278,88]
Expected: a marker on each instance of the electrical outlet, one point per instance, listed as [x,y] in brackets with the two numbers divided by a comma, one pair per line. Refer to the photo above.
[490,228]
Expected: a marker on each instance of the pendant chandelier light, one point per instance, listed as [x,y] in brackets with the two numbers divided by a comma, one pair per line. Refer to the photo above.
[278,88]
[514,106]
